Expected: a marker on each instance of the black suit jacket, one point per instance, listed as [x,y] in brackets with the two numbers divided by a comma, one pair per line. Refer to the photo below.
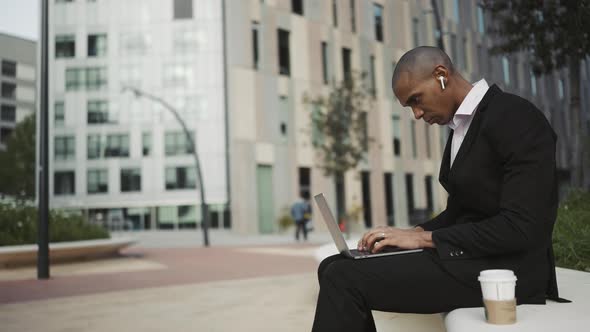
[502,201]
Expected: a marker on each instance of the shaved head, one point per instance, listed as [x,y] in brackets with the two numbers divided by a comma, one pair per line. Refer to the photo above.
[420,63]
[425,80]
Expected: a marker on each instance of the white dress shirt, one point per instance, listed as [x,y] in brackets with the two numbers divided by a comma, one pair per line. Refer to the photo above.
[464,115]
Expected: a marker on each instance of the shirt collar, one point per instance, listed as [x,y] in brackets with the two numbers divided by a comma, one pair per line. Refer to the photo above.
[469,104]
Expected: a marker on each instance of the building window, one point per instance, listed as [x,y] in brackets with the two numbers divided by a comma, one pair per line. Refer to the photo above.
[413,138]
[96,78]
[325,62]
[456,11]
[177,75]
[176,143]
[352,16]
[464,55]
[5,134]
[297,7]
[480,60]
[94,146]
[335,13]
[364,123]
[533,83]
[187,216]
[455,50]
[8,113]
[346,69]
[187,39]
[389,198]
[74,78]
[481,24]
[59,116]
[183,9]
[283,117]
[97,181]
[437,35]
[180,178]
[146,144]
[373,78]
[64,183]
[97,112]
[130,180]
[130,75]
[117,145]
[317,137]
[255,29]
[396,136]
[416,31]
[134,43]
[560,89]
[65,148]
[429,196]
[378,16]
[410,192]
[506,70]
[65,46]
[304,181]
[8,90]
[284,57]
[97,45]
[8,68]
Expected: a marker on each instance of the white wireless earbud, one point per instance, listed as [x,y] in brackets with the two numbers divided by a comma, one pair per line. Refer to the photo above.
[442,82]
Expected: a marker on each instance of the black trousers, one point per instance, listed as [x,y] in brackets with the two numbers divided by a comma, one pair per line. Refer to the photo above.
[301,226]
[409,283]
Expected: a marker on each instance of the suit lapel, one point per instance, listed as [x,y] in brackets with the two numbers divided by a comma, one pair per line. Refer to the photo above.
[443,176]
[474,127]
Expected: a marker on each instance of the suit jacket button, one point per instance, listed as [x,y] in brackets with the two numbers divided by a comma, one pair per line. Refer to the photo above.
[452,253]
[461,252]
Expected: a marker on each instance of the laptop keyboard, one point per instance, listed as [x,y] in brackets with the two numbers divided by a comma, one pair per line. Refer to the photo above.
[357,253]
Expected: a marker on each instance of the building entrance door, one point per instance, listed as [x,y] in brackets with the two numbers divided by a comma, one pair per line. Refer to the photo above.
[265,199]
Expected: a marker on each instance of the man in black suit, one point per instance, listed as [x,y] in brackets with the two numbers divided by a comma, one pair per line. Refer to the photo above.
[498,168]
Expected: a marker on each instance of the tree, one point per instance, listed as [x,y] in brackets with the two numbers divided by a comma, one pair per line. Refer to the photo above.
[17,162]
[339,129]
[556,34]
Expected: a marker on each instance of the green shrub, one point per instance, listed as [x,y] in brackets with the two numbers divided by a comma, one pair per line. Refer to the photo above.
[285,220]
[571,235]
[18,225]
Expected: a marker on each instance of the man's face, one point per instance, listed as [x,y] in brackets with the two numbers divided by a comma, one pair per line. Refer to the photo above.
[426,98]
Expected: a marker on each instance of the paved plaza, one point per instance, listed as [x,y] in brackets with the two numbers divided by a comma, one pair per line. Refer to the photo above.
[169,282]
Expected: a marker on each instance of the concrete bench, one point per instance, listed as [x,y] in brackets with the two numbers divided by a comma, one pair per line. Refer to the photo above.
[63,251]
[573,285]
[575,316]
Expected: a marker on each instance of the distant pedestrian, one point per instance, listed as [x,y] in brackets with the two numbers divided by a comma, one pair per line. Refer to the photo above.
[301,213]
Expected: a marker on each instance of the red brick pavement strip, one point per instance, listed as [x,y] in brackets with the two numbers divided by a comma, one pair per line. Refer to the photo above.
[185,266]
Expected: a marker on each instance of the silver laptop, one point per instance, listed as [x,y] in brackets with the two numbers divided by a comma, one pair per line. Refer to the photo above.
[341,243]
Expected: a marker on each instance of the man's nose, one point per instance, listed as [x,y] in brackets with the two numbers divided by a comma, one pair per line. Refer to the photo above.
[418,113]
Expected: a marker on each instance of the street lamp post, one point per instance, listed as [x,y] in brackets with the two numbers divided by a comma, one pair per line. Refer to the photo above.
[204,208]
[43,153]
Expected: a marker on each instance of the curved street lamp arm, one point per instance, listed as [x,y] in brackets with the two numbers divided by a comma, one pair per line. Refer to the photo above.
[204,208]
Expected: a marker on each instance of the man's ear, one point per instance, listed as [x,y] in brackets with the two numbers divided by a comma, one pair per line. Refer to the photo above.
[439,71]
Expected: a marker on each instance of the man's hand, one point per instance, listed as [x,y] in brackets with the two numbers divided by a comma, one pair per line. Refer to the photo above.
[376,239]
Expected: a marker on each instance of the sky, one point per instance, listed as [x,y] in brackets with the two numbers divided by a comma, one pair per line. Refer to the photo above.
[20,18]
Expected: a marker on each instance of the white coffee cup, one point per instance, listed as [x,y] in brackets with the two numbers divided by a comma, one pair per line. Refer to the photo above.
[497,285]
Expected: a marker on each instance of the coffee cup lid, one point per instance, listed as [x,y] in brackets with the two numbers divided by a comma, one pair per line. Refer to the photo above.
[496,276]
